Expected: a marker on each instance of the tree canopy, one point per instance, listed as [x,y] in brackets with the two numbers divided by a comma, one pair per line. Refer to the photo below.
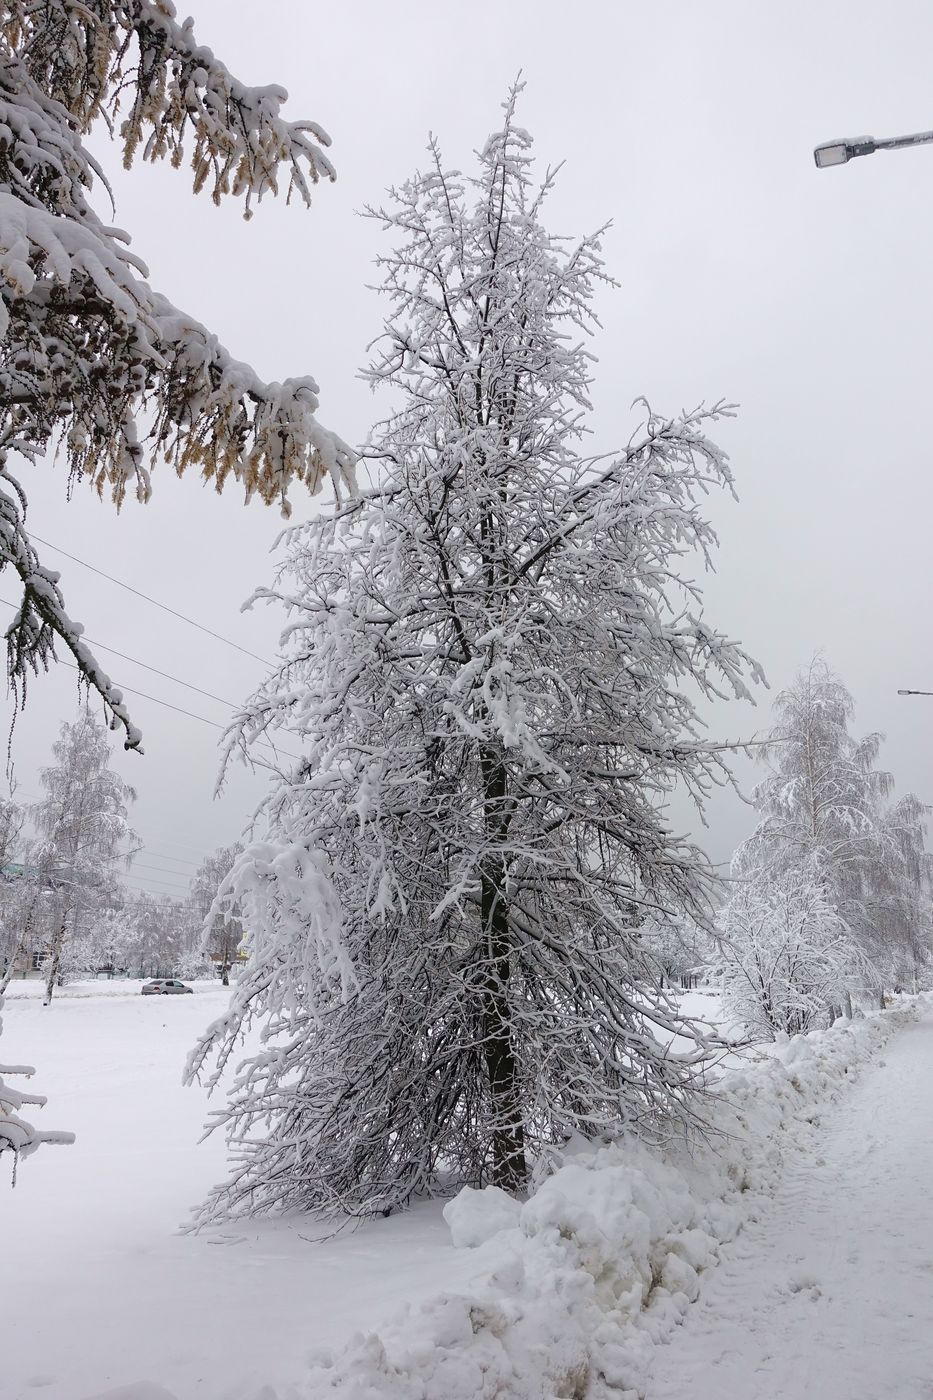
[489,663]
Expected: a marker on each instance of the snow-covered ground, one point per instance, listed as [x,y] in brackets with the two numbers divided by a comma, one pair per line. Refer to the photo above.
[830,1292]
[102,1291]
[100,1288]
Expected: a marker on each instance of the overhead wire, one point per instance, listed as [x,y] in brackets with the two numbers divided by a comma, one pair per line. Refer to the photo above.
[178,709]
[166,704]
[141,865]
[154,601]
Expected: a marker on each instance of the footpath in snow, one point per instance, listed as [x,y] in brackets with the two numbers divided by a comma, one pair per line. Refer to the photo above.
[578,1290]
[830,1292]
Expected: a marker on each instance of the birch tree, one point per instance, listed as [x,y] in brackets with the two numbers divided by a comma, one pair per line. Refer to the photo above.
[222,928]
[83,829]
[12,818]
[91,357]
[826,812]
[489,662]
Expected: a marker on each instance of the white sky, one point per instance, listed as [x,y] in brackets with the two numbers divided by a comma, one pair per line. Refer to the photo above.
[746,274]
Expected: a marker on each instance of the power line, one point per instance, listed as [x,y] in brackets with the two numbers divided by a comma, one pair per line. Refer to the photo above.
[154,601]
[163,855]
[141,865]
[147,880]
[149,887]
[263,743]
[146,667]
[156,672]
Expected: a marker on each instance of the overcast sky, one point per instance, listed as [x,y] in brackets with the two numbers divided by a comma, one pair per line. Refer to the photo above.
[804,296]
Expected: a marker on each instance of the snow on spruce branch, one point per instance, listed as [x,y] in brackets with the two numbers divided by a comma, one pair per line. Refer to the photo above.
[87,348]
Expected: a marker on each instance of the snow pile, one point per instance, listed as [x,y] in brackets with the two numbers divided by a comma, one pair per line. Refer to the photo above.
[579,1283]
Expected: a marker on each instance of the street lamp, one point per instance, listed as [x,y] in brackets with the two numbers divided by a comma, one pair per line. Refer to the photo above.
[915,692]
[839,152]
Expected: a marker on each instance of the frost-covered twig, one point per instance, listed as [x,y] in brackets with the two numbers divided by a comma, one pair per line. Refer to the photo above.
[17,1135]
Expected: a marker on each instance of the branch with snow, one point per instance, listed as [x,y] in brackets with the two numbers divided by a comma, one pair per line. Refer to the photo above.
[16,1134]
[87,349]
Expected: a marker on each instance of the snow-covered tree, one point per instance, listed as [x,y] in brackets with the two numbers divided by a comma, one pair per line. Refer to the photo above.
[158,933]
[12,818]
[904,895]
[90,356]
[193,964]
[83,835]
[824,809]
[222,928]
[678,946]
[490,663]
[787,952]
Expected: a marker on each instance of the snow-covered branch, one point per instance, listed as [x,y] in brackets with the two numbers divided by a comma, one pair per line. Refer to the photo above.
[88,351]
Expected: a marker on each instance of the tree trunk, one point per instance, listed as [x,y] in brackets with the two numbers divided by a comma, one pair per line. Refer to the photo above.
[54,964]
[849,1005]
[10,968]
[508,1134]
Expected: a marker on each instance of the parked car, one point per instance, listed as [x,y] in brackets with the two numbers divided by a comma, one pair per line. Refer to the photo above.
[164,986]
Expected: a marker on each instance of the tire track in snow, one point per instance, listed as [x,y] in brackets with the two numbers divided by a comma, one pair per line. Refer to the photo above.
[829,1293]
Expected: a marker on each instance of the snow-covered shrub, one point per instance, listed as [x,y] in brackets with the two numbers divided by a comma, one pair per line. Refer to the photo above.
[788,956]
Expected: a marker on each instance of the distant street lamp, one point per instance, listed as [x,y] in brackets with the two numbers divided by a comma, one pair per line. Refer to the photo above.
[839,152]
[915,692]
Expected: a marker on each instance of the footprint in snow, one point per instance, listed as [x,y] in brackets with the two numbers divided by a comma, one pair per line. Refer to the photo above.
[805,1283]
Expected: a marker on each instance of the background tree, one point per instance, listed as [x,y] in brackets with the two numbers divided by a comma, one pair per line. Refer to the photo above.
[89,353]
[679,947]
[159,933]
[222,927]
[788,953]
[825,814]
[489,663]
[12,819]
[83,833]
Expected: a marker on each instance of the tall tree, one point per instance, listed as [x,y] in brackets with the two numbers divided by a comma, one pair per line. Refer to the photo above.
[489,661]
[83,833]
[222,927]
[12,819]
[86,346]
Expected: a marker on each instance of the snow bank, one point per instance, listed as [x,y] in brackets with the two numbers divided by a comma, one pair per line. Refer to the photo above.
[579,1283]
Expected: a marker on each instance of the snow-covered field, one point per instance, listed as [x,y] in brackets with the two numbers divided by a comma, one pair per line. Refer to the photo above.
[102,1289]
[99,1286]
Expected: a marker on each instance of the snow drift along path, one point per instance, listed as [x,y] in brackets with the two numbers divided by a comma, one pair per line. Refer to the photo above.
[830,1292]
